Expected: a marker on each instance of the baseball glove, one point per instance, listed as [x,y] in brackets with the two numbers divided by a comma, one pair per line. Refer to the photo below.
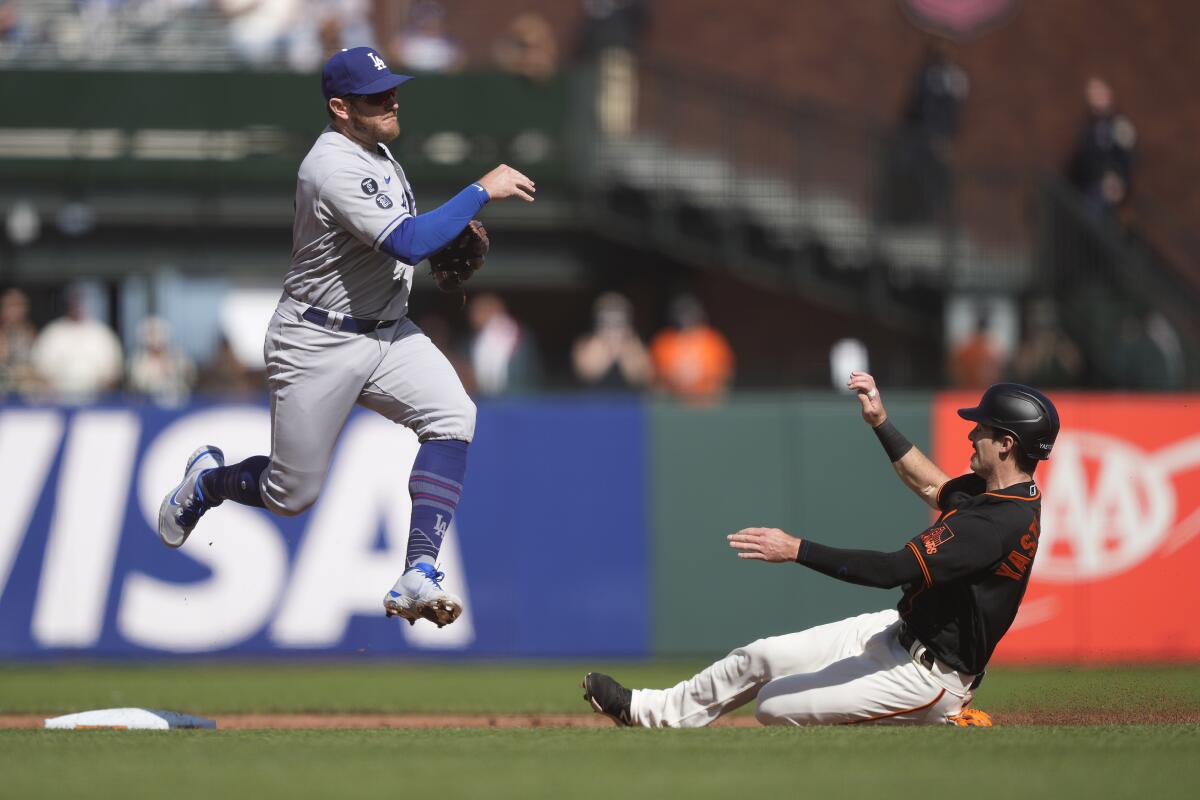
[456,262]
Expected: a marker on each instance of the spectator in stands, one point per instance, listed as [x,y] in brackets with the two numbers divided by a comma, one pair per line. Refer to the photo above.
[1140,359]
[225,375]
[442,335]
[76,357]
[158,370]
[261,31]
[14,27]
[1163,334]
[1101,166]
[503,357]
[1046,357]
[939,91]
[330,37]
[324,27]
[611,34]
[93,35]
[424,45]
[692,360]
[17,335]
[976,362]
[918,182]
[528,48]
[612,355]
[613,23]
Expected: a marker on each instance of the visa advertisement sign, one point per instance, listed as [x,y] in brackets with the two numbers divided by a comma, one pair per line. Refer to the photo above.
[1115,573]
[548,550]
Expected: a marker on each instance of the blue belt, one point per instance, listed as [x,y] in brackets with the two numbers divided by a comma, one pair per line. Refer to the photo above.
[340,322]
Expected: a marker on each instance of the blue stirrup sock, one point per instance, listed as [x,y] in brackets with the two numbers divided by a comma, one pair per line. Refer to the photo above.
[435,486]
[237,482]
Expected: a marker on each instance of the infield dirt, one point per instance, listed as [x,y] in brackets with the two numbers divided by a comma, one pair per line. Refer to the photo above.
[356,721]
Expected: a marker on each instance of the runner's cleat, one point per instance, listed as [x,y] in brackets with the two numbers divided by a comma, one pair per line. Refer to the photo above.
[608,697]
[971,718]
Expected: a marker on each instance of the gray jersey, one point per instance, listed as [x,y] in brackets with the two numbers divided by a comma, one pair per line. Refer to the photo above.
[348,200]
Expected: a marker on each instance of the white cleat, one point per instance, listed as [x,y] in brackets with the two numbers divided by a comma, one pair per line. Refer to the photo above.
[419,595]
[183,506]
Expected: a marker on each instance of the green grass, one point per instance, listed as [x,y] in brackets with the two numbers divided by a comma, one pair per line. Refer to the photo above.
[497,687]
[1148,762]
[1121,761]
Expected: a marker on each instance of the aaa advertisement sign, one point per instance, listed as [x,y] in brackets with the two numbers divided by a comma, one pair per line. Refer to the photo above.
[1114,578]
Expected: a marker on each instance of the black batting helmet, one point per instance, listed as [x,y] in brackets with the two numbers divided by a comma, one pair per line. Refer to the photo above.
[1022,411]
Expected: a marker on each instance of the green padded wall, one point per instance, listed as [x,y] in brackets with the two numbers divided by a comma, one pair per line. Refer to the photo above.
[270,120]
[804,462]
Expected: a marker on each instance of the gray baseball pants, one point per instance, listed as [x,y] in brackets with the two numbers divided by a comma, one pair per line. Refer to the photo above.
[317,375]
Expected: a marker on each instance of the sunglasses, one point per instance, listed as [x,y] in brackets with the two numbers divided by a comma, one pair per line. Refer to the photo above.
[379,99]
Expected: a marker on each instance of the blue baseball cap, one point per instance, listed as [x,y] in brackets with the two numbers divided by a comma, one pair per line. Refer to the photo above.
[358,70]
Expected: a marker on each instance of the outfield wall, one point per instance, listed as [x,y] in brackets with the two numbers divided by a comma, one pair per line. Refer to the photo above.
[805,463]
[589,527]
[1115,574]
[548,549]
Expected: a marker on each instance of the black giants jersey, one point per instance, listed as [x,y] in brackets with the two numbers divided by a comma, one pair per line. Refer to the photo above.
[976,561]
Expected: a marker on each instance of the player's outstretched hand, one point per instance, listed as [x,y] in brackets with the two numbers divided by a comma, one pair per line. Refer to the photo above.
[504,181]
[868,397]
[765,544]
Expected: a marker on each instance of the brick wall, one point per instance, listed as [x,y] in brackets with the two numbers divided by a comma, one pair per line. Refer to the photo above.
[1026,102]
[1027,77]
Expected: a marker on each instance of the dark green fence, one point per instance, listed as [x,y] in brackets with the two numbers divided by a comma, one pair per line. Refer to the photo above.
[804,462]
[97,131]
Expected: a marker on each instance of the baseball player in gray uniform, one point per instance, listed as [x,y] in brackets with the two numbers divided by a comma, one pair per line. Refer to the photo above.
[340,335]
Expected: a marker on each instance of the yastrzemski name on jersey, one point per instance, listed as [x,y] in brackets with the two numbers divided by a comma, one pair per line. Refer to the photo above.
[976,560]
[348,200]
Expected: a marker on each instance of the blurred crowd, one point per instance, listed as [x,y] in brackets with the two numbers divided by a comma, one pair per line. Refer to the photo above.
[414,36]
[1143,350]
[1145,353]
[687,359]
[76,359]
[296,34]
[918,170]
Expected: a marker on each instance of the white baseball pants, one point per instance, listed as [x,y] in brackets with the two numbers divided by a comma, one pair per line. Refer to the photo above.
[850,671]
[317,375]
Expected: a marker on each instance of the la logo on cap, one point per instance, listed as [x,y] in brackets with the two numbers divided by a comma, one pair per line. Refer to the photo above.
[377,61]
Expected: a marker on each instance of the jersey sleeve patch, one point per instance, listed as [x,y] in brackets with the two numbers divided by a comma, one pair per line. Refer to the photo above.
[359,205]
[935,538]
[954,549]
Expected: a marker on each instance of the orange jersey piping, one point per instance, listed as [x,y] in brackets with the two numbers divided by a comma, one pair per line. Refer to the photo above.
[898,713]
[1037,496]
[921,561]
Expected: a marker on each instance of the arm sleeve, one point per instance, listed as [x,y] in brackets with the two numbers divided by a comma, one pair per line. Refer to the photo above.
[419,237]
[864,567]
